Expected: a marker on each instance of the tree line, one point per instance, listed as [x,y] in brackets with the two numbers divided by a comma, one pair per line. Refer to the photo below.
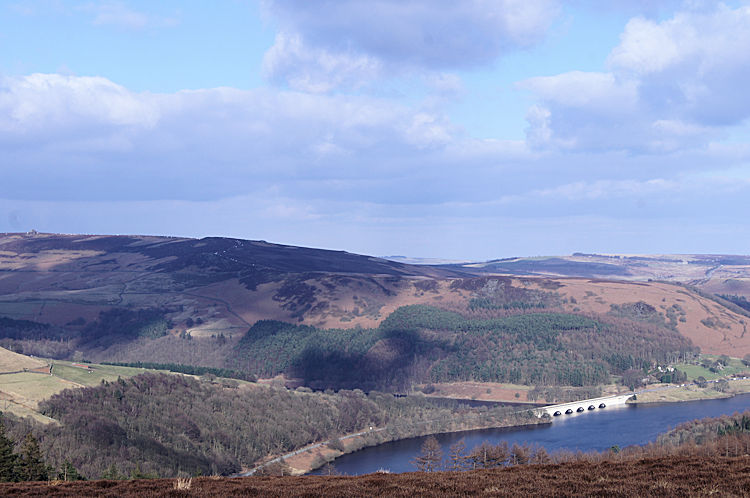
[483,456]
[186,369]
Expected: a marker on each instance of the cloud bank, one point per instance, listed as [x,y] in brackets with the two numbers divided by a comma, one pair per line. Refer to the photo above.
[635,153]
[672,85]
[344,43]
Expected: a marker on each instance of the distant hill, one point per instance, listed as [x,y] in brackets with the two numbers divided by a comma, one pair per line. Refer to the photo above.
[228,283]
[719,272]
[190,301]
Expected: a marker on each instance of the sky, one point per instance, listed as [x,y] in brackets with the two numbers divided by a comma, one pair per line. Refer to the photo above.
[477,129]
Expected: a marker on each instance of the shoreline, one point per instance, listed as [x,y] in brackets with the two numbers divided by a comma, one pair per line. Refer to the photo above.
[550,422]
[317,455]
[303,464]
[468,429]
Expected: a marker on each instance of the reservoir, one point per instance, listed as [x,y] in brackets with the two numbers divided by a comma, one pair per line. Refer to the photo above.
[595,430]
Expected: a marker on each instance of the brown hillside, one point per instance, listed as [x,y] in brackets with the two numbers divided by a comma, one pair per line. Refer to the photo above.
[222,286]
[711,326]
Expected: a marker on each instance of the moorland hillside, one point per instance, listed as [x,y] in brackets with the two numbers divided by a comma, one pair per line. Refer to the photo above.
[200,301]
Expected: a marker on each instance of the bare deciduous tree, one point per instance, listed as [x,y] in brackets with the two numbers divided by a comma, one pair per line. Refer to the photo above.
[431,456]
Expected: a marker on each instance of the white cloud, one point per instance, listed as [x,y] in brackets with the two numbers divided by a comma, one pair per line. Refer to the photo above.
[672,84]
[445,85]
[474,230]
[306,168]
[350,41]
[609,189]
[316,70]
[648,47]
[52,107]
[427,130]
[54,122]
[603,94]
[694,39]
[37,7]
[115,13]
[539,133]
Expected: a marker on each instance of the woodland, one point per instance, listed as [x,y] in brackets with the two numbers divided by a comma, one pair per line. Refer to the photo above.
[422,344]
[415,344]
[173,425]
[707,457]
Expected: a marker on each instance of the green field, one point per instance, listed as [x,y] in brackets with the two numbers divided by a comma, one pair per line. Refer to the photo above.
[691,392]
[21,393]
[22,411]
[93,377]
[694,371]
[30,388]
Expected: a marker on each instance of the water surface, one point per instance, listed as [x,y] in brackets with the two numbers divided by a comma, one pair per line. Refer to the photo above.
[598,430]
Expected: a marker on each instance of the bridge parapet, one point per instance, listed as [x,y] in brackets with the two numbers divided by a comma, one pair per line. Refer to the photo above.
[584,405]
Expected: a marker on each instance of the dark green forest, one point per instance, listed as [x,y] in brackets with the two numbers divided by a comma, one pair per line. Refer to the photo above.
[23,460]
[11,328]
[120,324]
[419,344]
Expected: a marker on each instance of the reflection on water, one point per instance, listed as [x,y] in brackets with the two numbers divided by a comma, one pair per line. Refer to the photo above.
[599,430]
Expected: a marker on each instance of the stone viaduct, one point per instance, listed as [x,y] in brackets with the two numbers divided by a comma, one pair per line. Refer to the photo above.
[584,405]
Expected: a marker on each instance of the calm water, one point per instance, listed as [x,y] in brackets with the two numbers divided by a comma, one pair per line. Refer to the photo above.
[596,430]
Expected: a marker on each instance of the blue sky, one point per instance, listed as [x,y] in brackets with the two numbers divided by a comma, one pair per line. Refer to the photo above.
[468,130]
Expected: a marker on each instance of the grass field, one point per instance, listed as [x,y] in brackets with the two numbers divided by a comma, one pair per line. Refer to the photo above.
[7,406]
[687,393]
[13,362]
[30,388]
[20,393]
[694,371]
[691,392]
[93,377]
